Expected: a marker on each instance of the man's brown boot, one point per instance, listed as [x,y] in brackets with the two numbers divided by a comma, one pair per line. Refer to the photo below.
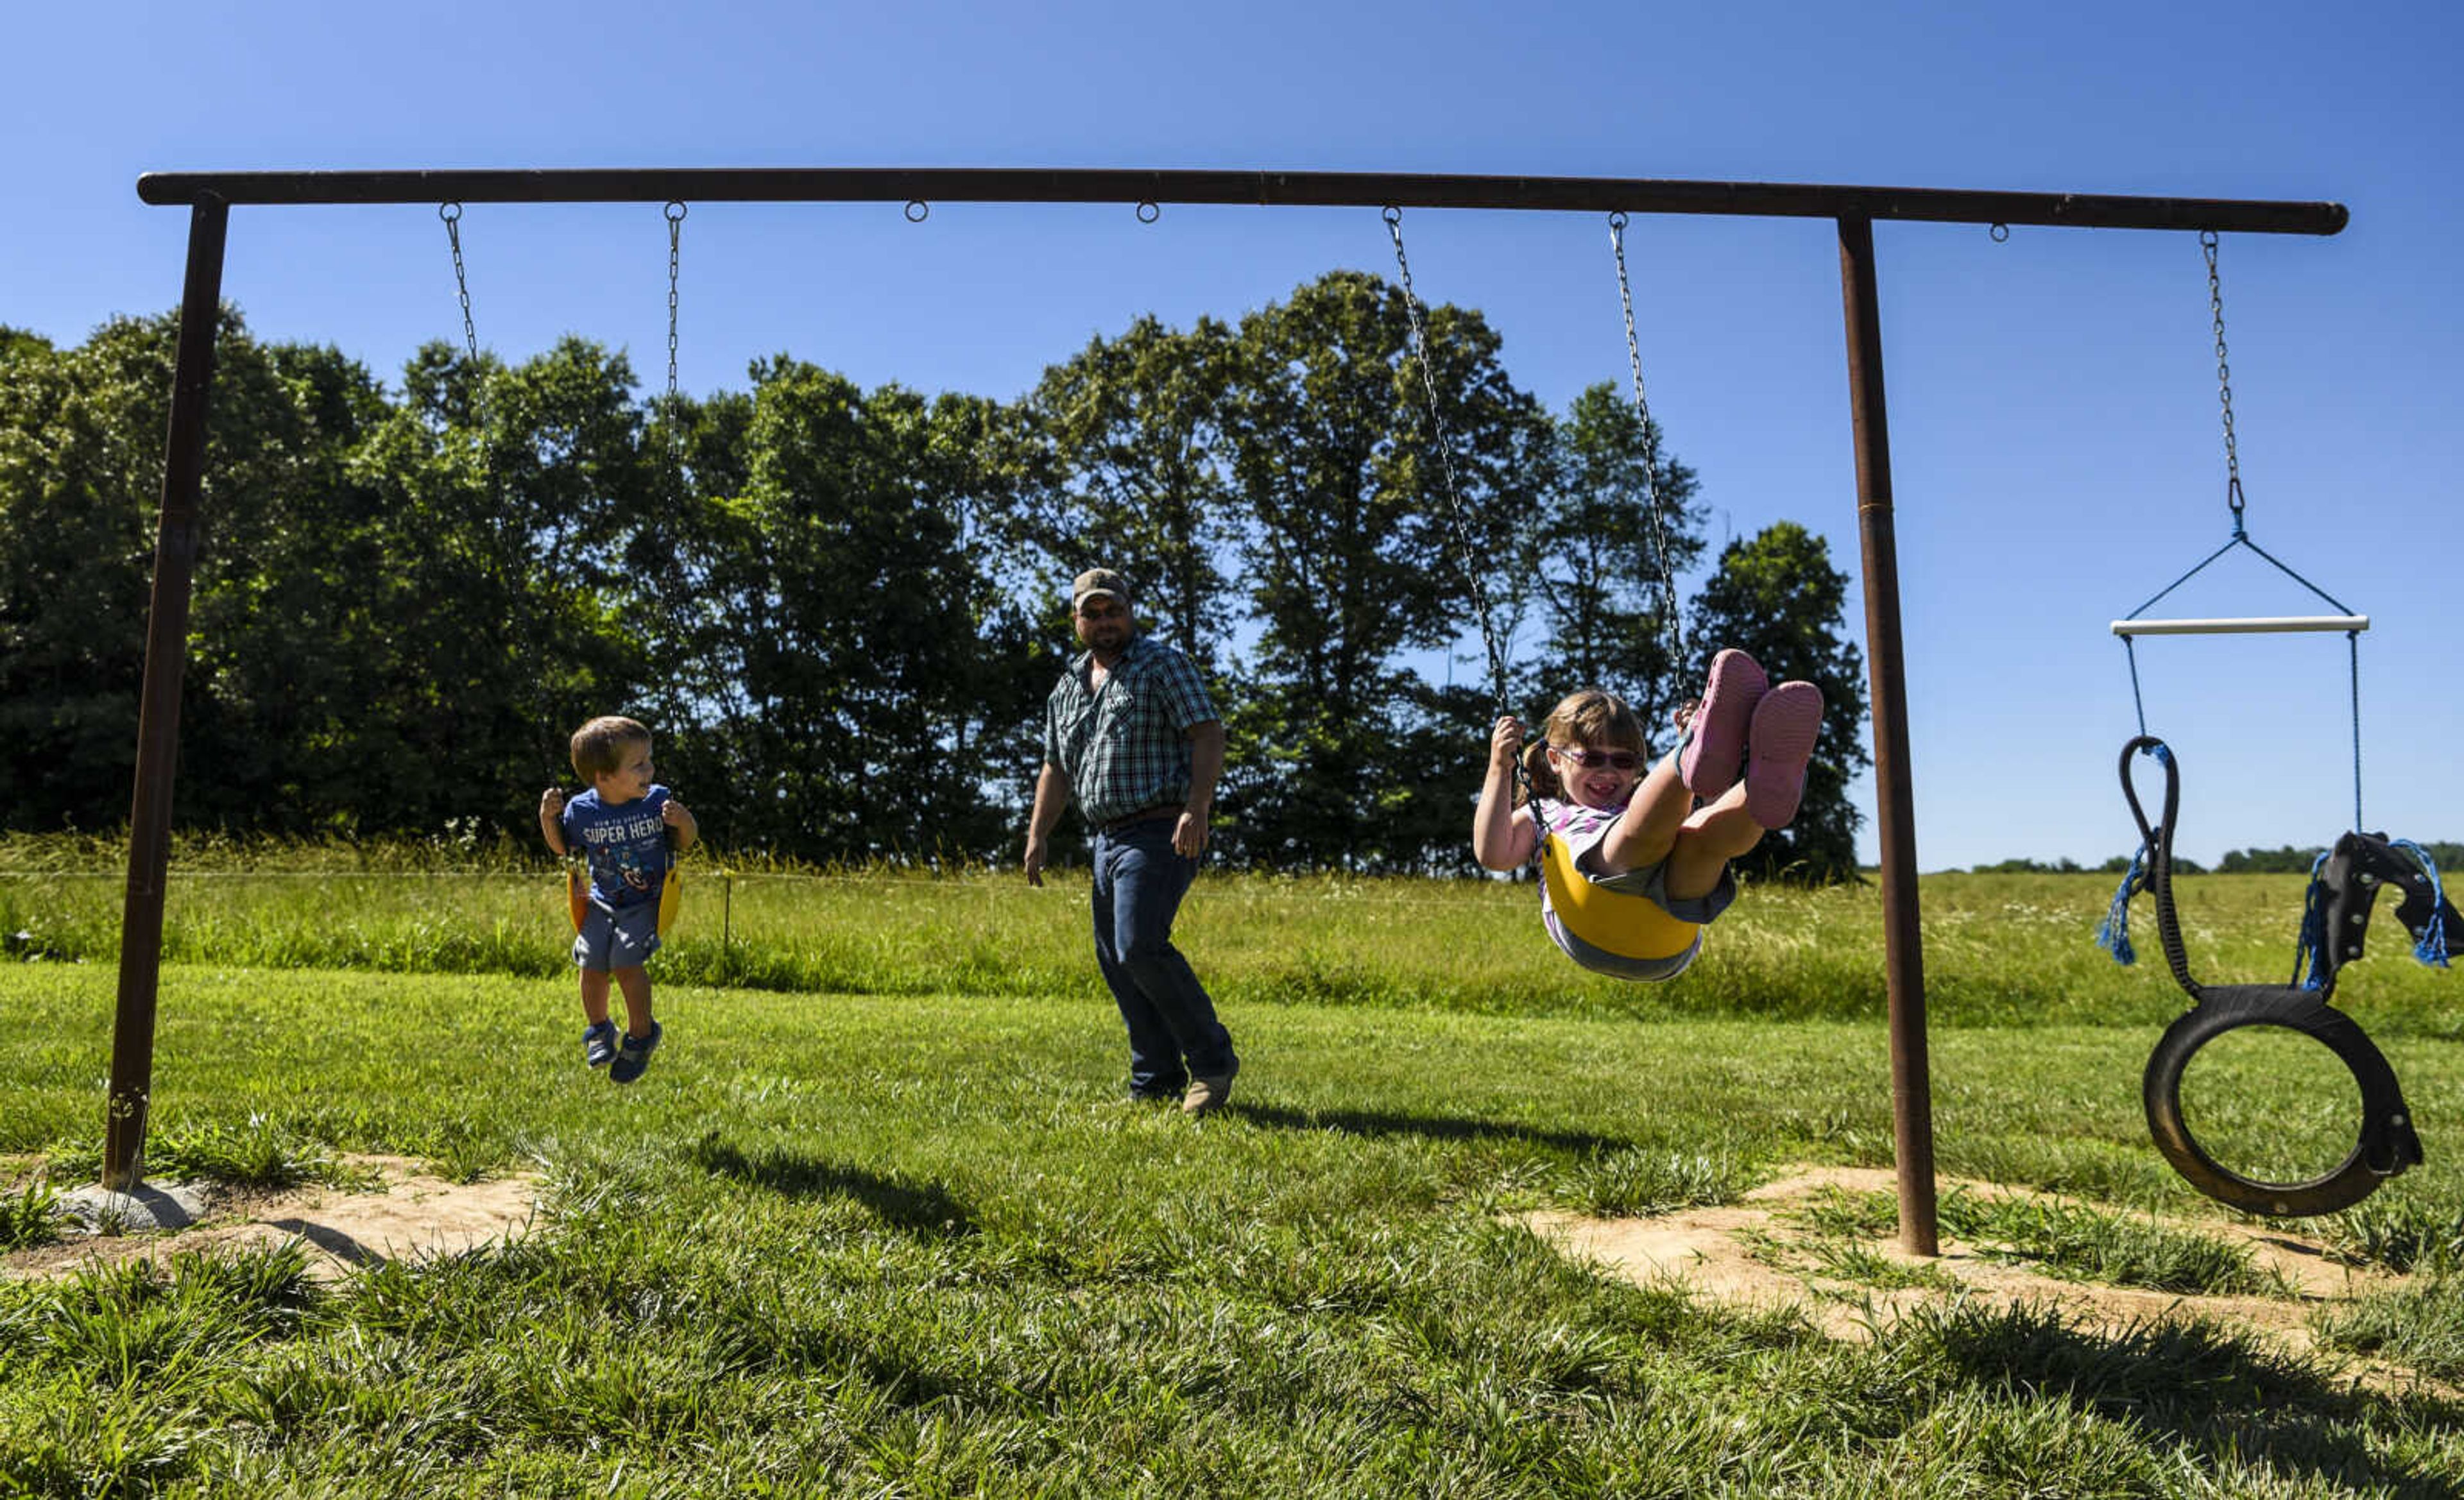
[1206,1096]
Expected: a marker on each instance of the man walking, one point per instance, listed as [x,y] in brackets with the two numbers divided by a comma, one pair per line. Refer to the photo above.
[1130,733]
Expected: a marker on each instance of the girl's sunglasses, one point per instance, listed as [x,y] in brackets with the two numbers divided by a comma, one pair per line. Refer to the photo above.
[1594,760]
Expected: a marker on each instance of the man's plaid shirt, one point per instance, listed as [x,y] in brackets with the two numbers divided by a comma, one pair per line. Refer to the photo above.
[1124,746]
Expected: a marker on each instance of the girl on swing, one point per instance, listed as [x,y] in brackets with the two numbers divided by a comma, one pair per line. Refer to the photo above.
[1665,833]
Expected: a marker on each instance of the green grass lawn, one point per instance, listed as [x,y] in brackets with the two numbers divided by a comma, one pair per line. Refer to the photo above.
[900,1235]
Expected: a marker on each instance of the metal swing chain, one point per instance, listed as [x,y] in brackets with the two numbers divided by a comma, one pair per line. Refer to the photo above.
[2207,241]
[1461,532]
[1650,452]
[1525,790]
[451,212]
[675,213]
[2224,378]
[451,215]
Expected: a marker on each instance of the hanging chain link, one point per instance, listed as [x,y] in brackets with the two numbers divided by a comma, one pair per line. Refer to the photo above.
[675,252]
[1650,455]
[2224,378]
[675,213]
[1464,558]
[1461,532]
[451,215]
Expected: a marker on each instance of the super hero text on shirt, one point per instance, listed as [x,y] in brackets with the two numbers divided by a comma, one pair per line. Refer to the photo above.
[642,825]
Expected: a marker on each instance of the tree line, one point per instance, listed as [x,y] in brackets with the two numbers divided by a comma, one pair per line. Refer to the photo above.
[2292,859]
[839,609]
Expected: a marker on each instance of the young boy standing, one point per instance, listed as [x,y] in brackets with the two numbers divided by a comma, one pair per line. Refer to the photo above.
[621,825]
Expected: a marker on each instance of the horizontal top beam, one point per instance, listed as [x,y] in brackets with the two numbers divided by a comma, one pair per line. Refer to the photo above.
[1320,190]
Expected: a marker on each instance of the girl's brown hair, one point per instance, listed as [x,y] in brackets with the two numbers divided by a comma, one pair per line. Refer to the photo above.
[1591,719]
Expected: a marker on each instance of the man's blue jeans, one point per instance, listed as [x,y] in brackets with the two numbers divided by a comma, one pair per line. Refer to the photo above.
[1139,881]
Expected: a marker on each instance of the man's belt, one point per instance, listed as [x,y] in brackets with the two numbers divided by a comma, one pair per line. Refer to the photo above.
[1160,810]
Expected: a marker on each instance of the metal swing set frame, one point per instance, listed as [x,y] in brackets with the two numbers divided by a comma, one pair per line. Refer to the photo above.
[211,196]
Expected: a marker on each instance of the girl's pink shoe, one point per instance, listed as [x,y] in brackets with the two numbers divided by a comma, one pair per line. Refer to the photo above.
[1715,737]
[1785,723]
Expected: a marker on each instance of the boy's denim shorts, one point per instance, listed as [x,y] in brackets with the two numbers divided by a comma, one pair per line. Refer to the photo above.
[621,937]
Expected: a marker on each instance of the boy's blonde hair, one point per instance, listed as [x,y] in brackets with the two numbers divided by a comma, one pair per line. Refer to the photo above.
[599,747]
[1590,718]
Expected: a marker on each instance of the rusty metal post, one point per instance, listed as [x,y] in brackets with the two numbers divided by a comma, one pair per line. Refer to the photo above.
[1887,675]
[158,721]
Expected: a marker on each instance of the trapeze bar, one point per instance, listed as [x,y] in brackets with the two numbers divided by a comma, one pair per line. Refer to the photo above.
[1263,188]
[2256,625]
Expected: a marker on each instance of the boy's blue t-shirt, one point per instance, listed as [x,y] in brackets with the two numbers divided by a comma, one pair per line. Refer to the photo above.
[625,845]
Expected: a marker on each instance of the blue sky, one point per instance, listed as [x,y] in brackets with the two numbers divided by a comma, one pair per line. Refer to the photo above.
[2057,450]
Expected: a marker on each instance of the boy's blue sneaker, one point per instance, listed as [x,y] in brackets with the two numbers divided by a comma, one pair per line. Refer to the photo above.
[599,1043]
[633,1056]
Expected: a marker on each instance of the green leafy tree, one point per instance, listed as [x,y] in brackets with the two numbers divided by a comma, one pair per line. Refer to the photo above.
[1120,462]
[1615,527]
[2291,859]
[858,719]
[16,343]
[1776,595]
[81,483]
[500,614]
[276,679]
[1352,559]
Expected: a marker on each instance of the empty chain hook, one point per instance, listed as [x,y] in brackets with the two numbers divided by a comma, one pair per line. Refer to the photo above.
[1149,210]
[2000,234]
[452,214]
[917,211]
[2224,378]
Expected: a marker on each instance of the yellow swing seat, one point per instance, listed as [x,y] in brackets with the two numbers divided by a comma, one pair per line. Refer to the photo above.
[576,896]
[1616,923]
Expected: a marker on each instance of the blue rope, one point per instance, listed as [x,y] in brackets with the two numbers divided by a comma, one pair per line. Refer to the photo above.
[2138,705]
[2114,932]
[2239,539]
[2341,608]
[2353,651]
[2352,645]
[2432,947]
[2310,943]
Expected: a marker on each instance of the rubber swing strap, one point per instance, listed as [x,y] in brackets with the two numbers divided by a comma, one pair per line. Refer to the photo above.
[2156,843]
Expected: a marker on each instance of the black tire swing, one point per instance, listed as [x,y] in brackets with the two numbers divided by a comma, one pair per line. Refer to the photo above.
[2386,1143]
[2345,884]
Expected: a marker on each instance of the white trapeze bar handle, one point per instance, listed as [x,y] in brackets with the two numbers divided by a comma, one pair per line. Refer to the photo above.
[2257,625]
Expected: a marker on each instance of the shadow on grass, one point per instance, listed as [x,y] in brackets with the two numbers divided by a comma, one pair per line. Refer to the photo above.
[2195,1385]
[1427,1127]
[925,1209]
[332,1241]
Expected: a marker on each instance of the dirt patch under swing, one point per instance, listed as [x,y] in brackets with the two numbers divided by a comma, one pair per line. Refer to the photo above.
[408,1213]
[1754,1253]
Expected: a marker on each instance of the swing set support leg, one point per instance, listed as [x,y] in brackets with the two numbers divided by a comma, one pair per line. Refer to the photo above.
[1903,945]
[158,721]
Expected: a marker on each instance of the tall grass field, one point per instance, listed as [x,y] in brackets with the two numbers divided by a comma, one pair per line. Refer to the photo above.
[879,1221]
